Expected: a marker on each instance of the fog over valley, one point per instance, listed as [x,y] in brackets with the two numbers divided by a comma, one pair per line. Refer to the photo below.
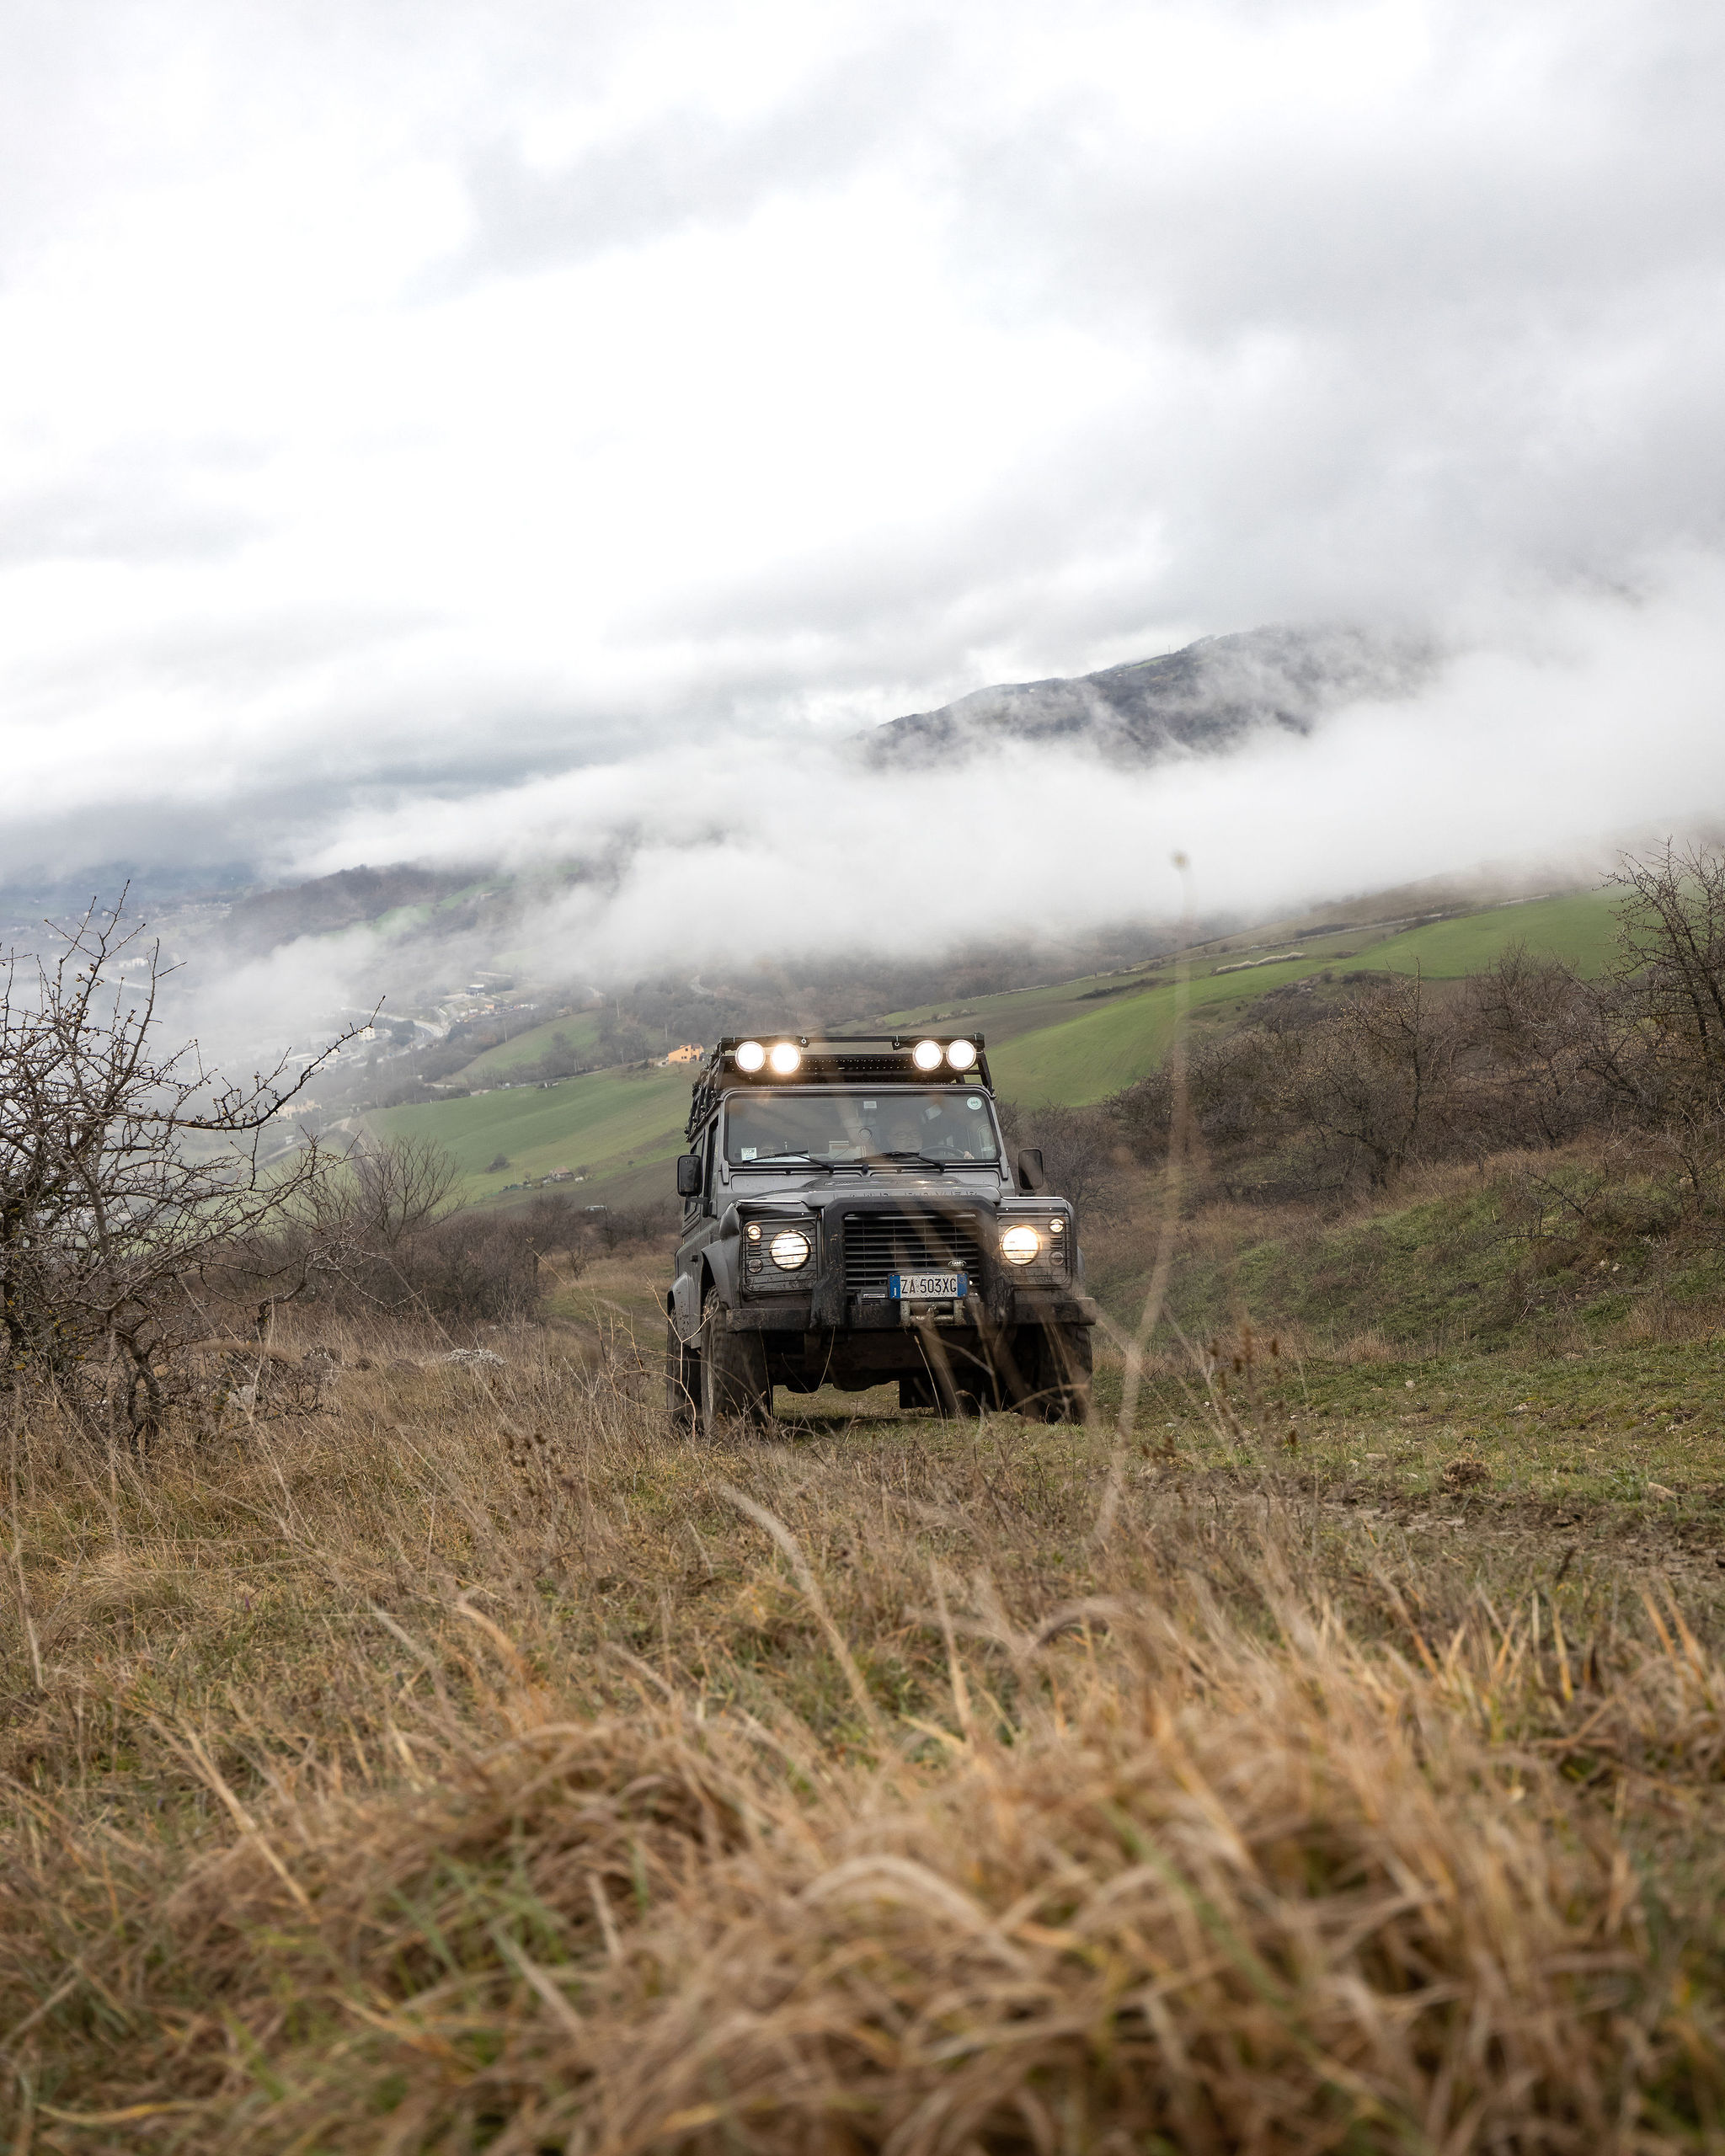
[757,486]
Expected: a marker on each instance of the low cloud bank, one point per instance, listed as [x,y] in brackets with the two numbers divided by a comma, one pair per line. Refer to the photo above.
[1604,721]
[1600,726]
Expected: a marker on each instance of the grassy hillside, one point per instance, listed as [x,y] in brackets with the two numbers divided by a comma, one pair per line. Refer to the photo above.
[1078,1053]
[1074,1042]
[1579,927]
[607,1120]
[581,1031]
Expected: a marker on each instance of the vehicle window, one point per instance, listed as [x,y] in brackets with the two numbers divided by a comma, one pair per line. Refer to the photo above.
[837,1123]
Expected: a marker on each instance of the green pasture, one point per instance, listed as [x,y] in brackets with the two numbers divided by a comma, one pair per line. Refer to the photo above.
[1016,1010]
[608,1121]
[1085,1058]
[1091,1053]
[1580,927]
[581,1032]
[1074,1042]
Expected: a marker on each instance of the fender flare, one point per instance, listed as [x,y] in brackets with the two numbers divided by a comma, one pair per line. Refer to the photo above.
[714,1268]
[682,1305]
[718,1266]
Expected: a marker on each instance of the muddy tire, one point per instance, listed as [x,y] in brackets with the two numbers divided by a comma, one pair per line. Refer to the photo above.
[1055,1368]
[734,1387]
[682,1383]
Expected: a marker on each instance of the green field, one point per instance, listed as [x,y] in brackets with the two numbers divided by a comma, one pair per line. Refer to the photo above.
[1085,1058]
[1580,928]
[609,1121]
[1090,1054]
[1074,1042]
[581,1031]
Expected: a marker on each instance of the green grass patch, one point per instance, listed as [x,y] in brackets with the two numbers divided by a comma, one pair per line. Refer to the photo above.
[1086,1047]
[607,1120]
[581,1031]
[1580,928]
[1638,1430]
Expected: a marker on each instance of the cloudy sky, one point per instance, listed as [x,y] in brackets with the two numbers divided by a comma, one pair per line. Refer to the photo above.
[426,425]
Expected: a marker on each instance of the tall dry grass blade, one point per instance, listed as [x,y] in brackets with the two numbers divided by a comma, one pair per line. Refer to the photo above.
[771,1524]
[190,1747]
[1167,1227]
[24,1593]
[955,1668]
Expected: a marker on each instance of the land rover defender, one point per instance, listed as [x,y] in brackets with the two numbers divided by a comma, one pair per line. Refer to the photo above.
[850,1218]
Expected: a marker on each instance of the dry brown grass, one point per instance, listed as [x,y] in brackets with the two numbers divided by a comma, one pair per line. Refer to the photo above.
[471,1766]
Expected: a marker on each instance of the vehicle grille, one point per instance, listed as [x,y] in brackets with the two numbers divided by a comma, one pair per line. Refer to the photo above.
[879,1244]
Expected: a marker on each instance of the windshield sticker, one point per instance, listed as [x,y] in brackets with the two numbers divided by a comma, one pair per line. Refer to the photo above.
[972,1103]
[750,1151]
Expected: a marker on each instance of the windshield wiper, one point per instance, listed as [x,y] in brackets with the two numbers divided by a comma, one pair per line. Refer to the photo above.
[784,1161]
[928,1160]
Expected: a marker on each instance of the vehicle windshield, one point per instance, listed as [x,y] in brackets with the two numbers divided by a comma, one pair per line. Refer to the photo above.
[943,1123]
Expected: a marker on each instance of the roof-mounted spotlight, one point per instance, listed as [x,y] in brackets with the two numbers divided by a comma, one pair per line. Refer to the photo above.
[927,1056]
[750,1056]
[961,1054]
[785,1058]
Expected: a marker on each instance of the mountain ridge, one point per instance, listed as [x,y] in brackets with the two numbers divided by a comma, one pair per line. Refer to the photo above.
[1205,698]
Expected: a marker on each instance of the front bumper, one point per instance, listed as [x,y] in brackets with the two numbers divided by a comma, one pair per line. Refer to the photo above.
[1042,1305]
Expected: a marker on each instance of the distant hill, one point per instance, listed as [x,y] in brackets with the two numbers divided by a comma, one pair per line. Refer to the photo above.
[1205,698]
[1071,1041]
[351,896]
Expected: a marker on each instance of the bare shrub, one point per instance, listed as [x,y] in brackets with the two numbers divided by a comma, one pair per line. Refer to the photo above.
[1672,937]
[1536,1032]
[381,1236]
[1078,1147]
[556,1224]
[615,1228]
[1234,1096]
[1375,1089]
[1352,1095]
[129,1176]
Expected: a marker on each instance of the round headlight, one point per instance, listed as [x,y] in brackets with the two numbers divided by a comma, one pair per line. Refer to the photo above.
[750,1056]
[961,1054]
[785,1057]
[790,1249]
[1018,1246]
[926,1055]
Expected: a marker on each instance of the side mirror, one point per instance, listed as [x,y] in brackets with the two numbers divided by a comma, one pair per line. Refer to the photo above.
[1032,1175]
[688,1175]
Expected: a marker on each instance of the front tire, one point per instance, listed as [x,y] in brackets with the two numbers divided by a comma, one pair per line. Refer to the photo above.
[1054,1365]
[734,1386]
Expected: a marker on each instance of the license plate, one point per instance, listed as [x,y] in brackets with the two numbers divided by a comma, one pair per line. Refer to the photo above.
[927,1287]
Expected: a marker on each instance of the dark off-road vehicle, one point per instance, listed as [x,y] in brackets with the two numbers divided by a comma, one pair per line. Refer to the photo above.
[849,1218]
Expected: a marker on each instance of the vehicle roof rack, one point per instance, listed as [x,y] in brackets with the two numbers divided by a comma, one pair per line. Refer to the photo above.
[829,1059]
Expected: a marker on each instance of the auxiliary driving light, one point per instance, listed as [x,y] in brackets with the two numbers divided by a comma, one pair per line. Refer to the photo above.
[785,1058]
[750,1056]
[961,1054]
[790,1249]
[927,1056]
[1018,1246]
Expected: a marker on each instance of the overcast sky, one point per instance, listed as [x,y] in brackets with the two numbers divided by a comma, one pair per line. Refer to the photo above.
[406,405]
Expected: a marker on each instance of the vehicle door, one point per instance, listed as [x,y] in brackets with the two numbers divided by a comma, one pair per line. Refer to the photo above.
[700,1225]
